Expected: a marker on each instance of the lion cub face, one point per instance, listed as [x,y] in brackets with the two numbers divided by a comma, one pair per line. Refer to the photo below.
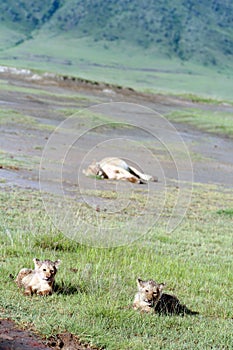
[149,293]
[47,269]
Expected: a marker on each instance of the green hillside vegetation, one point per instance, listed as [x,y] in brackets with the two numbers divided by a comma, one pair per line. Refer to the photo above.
[25,16]
[177,28]
[156,46]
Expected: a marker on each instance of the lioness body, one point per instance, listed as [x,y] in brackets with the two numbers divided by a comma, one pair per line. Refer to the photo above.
[117,169]
[40,280]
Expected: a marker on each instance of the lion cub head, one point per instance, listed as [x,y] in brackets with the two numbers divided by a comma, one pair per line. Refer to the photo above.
[149,291]
[47,269]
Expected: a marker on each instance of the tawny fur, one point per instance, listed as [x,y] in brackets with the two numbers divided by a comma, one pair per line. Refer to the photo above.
[150,298]
[149,292]
[117,169]
[40,280]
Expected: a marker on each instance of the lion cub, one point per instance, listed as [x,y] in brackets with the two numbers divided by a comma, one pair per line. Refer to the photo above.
[149,293]
[40,280]
[150,298]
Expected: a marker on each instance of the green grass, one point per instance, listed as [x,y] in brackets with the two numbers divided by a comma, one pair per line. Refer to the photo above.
[205,100]
[99,62]
[228,212]
[9,37]
[210,121]
[95,286]
[12,162]
[181,35]
[11,117]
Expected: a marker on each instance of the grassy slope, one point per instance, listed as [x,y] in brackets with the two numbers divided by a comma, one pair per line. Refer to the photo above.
[97,61]
[195,262]
[178,29]
[127,37]
[9,37]
[215,122]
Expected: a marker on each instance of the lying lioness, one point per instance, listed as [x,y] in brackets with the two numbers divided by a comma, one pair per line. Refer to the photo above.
[117,169]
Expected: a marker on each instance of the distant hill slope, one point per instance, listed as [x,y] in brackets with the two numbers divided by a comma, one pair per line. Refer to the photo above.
[191,30]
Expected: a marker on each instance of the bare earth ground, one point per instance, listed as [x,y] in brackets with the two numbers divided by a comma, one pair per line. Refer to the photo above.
[212,155]
[14,338]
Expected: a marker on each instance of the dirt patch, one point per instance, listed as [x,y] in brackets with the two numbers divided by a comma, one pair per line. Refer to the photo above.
[67,341]
[14,338]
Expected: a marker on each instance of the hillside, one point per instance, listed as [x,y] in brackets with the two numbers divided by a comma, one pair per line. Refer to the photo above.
[178,28]
[154,44]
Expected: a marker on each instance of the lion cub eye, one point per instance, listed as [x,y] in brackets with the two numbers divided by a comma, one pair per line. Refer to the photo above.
[44,269]
[155,293]
[146,290]
[51,271]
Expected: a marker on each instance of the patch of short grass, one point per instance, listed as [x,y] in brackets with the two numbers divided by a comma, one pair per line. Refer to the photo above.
[95,286]
[202,99]
[9,161]
[226,212]
[210,121]
[10,117]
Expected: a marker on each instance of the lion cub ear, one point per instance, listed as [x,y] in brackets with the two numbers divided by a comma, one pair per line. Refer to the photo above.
[140,282]
[161,286]
[57,263]
[37,262]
